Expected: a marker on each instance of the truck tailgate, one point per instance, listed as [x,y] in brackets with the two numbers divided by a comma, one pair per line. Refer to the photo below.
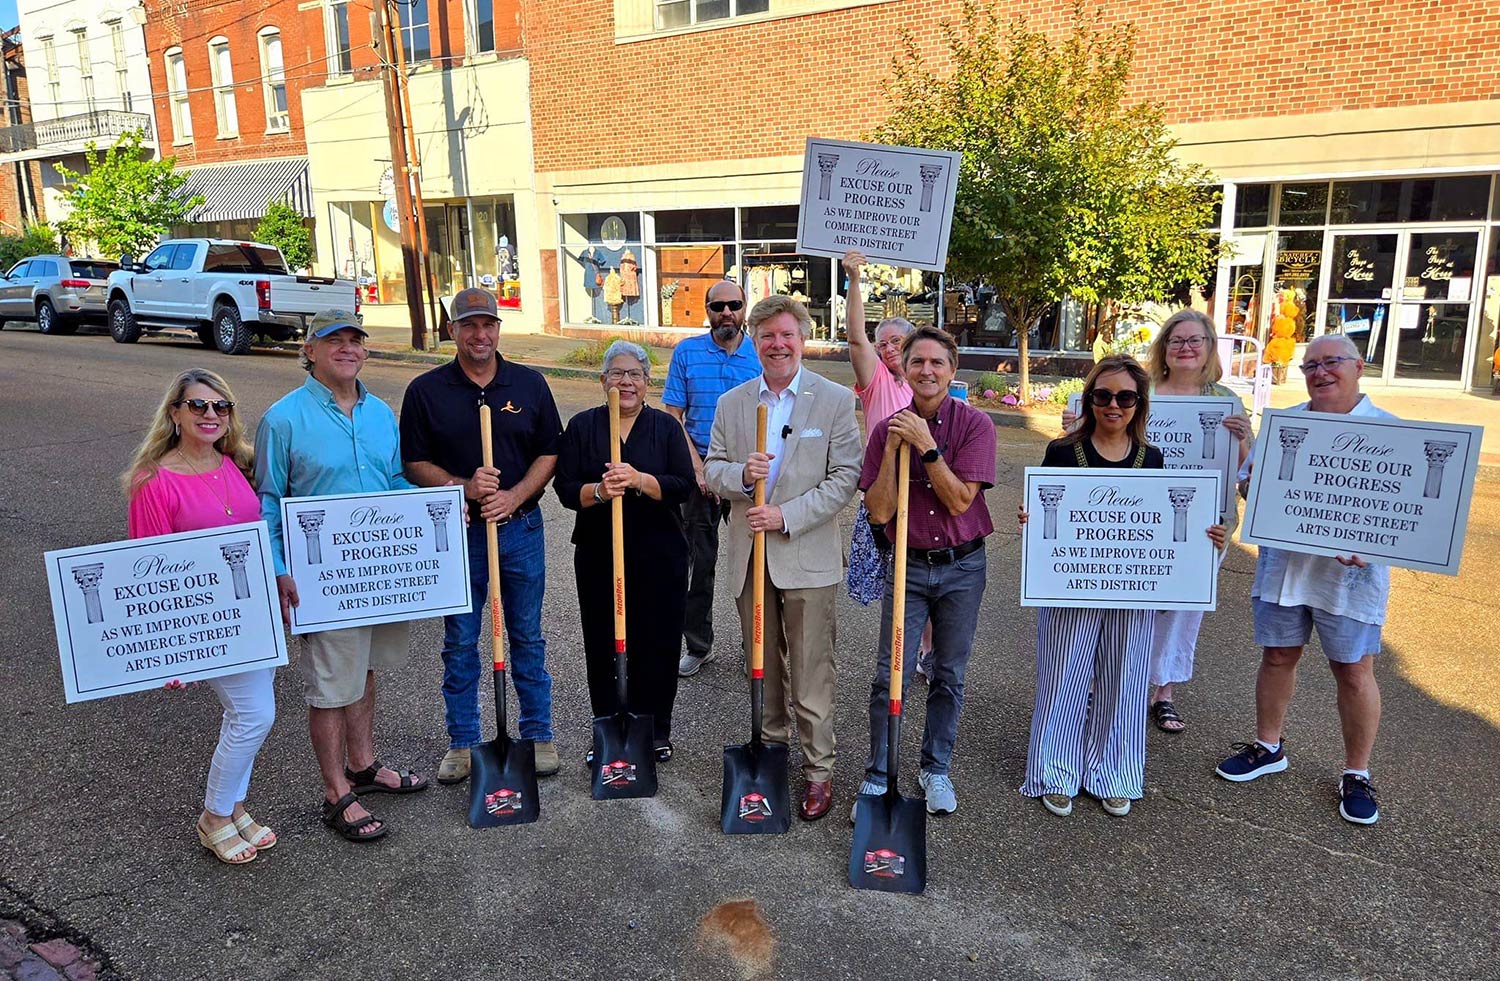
[306,294]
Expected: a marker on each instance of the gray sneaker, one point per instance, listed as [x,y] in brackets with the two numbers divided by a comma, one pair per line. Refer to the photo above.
[690,663]
[872,787]
[939,791]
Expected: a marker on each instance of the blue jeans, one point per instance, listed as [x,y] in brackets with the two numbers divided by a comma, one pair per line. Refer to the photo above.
[950,596]
[523,579]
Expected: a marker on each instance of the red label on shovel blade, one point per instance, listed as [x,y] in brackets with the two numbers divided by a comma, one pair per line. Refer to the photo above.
[884,864]
[503,801]
[617,773]
[754,808]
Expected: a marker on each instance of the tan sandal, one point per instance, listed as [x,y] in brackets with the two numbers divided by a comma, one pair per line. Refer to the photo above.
[227,845]
[262,837]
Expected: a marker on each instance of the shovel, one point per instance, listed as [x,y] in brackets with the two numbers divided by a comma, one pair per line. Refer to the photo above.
[756,800]
[502,782]
[624,756]
[889,852]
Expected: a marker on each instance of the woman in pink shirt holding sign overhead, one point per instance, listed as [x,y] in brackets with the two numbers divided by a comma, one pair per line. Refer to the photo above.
[189,473]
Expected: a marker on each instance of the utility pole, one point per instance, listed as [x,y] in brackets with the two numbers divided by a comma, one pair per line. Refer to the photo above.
[414,171]
[380,25]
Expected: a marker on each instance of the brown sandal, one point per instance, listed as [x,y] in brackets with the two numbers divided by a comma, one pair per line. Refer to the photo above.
[333,816]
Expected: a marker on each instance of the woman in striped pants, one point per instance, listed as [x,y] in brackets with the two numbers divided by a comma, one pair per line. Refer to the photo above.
[1088,728]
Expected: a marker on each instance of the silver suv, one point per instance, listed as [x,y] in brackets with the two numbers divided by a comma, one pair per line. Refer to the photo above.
[59,292]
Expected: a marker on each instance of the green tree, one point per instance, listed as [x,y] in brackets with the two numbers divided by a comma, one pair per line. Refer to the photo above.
[284,228]
[1065,188]
[122,201]
[38,239]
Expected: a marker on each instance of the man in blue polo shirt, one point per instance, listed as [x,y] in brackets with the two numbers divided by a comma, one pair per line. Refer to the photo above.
[331,436]
[440,445]
[702,369]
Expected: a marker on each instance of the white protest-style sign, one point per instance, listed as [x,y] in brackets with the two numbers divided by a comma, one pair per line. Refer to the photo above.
[1189,431]
[1124,539]
[1391,491]
[137,614]
[362,559]
[894,204]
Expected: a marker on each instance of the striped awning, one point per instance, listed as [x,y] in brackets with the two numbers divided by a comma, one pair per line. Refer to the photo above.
[237,191]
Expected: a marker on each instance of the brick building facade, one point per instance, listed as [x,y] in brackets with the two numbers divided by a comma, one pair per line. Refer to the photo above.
[21,180]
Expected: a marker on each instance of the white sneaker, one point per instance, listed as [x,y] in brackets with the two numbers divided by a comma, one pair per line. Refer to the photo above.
[690,663]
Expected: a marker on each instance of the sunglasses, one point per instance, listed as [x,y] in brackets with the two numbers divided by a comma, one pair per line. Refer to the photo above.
[199,407]
[719,306]
[1125,400]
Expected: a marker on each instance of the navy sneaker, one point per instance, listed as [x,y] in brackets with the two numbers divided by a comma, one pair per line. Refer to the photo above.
[1357,800]
[1251,760]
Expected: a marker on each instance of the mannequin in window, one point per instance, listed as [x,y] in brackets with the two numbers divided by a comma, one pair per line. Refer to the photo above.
[630,282]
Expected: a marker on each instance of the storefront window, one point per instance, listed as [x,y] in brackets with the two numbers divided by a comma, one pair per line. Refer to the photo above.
[708,225]
[1304,204]
[687,272]
[496,265]
[776,268]
[1418,199]
[775,222]
[1485,366]
[602,268]
[1299,260]
[1252,206]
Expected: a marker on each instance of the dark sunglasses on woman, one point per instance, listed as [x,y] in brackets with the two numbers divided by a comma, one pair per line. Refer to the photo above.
[199,407]
[1125,400]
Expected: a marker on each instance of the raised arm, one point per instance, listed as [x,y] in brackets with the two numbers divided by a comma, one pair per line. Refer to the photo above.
[861,350]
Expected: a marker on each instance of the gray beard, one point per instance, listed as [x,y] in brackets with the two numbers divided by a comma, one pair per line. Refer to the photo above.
[725,334]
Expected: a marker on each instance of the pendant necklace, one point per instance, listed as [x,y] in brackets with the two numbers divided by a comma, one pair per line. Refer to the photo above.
[223,498]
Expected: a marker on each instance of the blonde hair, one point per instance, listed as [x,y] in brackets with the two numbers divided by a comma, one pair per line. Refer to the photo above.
[162,436]
[773,306]
[1156,361]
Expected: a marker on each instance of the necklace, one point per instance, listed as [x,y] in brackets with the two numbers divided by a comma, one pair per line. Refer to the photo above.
[223,498]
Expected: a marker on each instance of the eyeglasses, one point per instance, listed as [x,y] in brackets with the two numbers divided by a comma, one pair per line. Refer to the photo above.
[1125,400]
[1329,365]
[199,407]
[1194,342]
[719,306]
[620,374]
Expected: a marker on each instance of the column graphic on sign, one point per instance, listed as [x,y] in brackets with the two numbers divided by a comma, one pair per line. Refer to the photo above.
[438,511]
[826,163]
[235,554]
[1051,495]
[311,522]
[1210,423]
[88,577]
[1437,452]
[1291,440]
[930,173]
[1182,499]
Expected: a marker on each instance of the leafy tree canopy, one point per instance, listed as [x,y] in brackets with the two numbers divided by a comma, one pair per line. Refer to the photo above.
[122,201]
[284,228]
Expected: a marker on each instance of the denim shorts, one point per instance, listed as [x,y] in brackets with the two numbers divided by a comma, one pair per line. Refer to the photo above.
[1344,640]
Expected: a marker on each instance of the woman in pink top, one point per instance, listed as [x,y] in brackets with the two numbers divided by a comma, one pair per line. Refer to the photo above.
[190,473]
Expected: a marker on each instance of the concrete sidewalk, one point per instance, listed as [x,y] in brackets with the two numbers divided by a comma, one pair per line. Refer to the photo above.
[548,352]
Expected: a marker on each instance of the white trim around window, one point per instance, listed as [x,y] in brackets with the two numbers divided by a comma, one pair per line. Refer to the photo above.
[177,97]
[273,81]
[221,68]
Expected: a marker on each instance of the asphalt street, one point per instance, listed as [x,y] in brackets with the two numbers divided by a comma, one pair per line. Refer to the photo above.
[1203,878]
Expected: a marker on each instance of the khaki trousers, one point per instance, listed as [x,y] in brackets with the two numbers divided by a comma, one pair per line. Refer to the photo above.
[799,642]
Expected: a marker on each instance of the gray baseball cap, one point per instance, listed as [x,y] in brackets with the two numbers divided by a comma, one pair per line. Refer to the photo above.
[474,302]
[326,322]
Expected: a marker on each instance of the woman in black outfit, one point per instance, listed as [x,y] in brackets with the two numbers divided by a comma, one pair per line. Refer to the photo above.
[654,478]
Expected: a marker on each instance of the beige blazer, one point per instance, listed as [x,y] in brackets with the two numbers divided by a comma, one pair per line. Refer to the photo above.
[819,474]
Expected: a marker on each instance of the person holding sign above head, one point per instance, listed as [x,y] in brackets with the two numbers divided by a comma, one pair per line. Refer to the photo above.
[1344,597]
[331,436]
[953,463]
[810,467]
[653,478]
[1087,728]
[440,444]
[189,473]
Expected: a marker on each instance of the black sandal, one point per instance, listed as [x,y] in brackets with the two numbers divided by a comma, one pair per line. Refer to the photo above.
[1164,713]
[663,750]
[333,816]
[364,781]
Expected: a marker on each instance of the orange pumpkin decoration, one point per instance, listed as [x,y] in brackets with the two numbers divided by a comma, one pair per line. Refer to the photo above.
[1280,349]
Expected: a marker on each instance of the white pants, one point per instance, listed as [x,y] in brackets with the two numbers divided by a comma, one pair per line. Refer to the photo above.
[249,702]
[1172,644]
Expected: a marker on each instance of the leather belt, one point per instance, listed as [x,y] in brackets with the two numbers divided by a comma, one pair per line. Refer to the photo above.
[519,512]
[945,556]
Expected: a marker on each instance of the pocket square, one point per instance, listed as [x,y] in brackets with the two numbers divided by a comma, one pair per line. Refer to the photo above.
[814,432]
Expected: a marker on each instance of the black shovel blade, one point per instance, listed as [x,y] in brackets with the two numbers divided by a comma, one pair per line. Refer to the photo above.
[756,800]
[502,783]
[890,844]
[624,758]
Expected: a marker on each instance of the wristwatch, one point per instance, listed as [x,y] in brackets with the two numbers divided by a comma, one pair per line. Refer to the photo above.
[597,498]
[932,456]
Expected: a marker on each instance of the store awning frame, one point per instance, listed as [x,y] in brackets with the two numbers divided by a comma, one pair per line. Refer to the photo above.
[240,191]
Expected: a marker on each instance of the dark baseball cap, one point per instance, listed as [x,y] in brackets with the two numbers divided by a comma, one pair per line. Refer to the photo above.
[474,302]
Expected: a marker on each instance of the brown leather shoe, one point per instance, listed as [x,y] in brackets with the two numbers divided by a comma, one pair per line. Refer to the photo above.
[816,799]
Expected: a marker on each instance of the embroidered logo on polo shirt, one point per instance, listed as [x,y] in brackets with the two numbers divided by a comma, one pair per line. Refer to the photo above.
[507,407]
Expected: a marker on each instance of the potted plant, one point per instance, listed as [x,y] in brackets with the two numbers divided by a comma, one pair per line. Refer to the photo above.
[667,292]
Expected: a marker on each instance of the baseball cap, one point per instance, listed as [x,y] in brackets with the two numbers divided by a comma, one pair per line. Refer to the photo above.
[474,302]
[325,322]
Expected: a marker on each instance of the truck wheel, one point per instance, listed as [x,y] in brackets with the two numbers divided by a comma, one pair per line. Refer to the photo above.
[49,322]
[230,334]
[122,325]
[206,335]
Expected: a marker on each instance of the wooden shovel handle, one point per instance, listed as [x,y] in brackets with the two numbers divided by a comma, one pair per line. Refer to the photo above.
[758,561]
[492,545]
[617,523]
[898,583]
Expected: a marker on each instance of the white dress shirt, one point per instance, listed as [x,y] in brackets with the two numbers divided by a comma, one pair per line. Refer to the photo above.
[778,420]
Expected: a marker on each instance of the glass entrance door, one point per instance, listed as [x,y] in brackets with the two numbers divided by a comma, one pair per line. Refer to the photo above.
[1361,287]
[1433,313]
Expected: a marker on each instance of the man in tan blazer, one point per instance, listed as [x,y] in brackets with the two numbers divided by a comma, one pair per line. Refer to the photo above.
[811,468]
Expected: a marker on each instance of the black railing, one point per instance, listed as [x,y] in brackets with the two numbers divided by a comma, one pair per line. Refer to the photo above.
[80,128]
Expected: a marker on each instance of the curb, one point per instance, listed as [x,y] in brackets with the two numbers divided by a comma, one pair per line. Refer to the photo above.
[545,367]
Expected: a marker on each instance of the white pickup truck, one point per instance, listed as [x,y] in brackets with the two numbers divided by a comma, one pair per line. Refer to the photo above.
[227,292]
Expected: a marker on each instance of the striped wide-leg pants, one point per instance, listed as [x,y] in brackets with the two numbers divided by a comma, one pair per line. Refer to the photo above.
[1100,746]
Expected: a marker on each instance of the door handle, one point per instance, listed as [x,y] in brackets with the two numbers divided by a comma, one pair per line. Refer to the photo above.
[185,279]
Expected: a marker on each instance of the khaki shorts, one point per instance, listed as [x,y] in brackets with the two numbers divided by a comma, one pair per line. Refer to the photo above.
[334,662]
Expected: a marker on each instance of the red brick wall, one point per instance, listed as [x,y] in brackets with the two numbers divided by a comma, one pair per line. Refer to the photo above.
[189,24]
[13,212]
[598,104]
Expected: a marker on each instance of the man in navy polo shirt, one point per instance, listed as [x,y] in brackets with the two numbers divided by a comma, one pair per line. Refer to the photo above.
[702,369]
[440,445]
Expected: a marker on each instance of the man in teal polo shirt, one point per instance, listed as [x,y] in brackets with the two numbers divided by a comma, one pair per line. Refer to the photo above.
[331,436]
